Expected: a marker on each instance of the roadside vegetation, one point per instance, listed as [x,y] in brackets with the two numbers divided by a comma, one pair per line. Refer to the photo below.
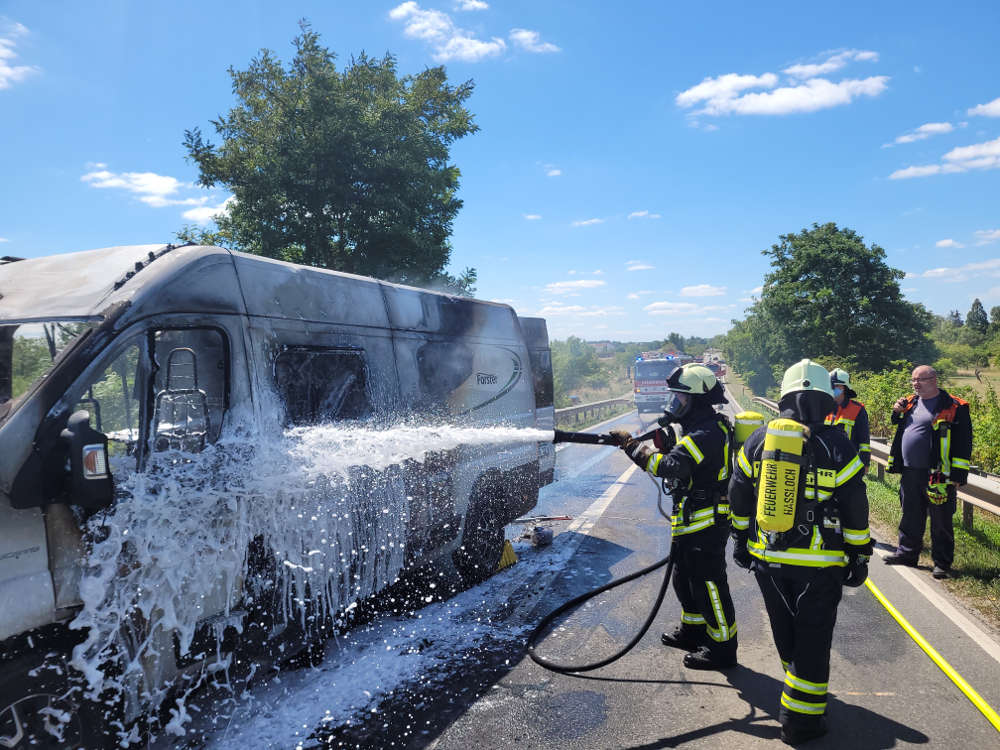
[977,552]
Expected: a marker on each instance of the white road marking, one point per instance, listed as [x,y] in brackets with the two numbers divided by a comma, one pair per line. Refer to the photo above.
[984,641]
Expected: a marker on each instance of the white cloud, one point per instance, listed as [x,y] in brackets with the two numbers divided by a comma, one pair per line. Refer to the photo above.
[530,41]
[681,308]
[643,215]
[638,265]
[923,132]
[637,295]
[569,287]
[733,93]
[10,73]
[969,271]
[703,290]
[948,243]
[831,64]
[532,217]
[990,109]
[151,188]
[598,272]
[448,41]
[757,290]
[553,172]
[4,239]
[962,159]
[471,5]
[587,222]
[986,236]
[557,308]
[205,214]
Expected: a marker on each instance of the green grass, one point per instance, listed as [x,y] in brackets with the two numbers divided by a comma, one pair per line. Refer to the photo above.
[977,552]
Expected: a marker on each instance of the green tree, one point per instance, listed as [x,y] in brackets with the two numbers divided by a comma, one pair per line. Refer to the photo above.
[976,319]
[995,318]
[828,294]
[573,362]
[955,318]
[344,169]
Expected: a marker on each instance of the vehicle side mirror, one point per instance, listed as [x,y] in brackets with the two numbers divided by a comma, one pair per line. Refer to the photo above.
[90,483]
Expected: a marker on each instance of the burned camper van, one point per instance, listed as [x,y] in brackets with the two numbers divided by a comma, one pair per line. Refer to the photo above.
[536,337]
[203,451]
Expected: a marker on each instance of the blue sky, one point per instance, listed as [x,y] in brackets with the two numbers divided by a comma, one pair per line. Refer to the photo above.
[633,159]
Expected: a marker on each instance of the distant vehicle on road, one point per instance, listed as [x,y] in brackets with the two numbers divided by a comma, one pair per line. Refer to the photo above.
[650,384]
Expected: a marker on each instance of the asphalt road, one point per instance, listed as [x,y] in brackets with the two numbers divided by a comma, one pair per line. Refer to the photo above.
[486,693]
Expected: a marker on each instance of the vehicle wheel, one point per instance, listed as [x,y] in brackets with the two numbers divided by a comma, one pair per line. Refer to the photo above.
[40,709]
[482,542]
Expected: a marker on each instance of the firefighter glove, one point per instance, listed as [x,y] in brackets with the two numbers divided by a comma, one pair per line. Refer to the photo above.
[856,572]
[621,438]
[741,555]
[664,440]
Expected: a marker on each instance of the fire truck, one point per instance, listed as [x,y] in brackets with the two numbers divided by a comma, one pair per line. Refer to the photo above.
[650,385]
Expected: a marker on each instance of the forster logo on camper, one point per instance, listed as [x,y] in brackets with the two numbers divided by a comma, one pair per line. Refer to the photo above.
[485,378]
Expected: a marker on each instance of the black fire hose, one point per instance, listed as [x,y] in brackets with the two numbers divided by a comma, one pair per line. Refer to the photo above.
[536,634]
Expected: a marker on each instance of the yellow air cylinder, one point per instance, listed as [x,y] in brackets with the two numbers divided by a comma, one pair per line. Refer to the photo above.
[779,474]
[745,423]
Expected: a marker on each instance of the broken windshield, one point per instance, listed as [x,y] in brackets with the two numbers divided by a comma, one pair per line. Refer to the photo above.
[28,352]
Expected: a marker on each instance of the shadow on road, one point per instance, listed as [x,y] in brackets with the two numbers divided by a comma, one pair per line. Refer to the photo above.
[850,726]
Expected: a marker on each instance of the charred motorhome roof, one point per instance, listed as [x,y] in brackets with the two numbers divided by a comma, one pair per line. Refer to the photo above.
[158,279]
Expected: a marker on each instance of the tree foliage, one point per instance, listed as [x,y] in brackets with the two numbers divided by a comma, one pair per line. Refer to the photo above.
[976,319]
[828,294]
[344,169]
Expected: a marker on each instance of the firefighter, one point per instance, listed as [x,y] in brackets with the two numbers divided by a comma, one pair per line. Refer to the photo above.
[696,468]
[827,544]
[850,415]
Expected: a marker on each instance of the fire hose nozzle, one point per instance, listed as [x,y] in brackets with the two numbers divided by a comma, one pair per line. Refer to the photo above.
[585,438]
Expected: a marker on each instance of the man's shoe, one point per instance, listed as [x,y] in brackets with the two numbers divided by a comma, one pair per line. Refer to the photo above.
[706,658]
[897,559]
[682,639]
[792,734]
[940,572]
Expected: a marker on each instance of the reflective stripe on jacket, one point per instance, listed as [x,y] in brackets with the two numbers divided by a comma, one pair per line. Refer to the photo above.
[852,418]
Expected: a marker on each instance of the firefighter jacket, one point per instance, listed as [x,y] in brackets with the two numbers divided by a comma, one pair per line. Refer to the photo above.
[831,518]
[852,418]
[951,444]
[697,468]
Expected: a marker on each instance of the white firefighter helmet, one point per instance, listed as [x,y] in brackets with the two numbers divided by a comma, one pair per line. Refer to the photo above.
[806,375]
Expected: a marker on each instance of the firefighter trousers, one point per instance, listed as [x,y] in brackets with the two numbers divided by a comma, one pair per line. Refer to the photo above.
[803,611]
[702,588]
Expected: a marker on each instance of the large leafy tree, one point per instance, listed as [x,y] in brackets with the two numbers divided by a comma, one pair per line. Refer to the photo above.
[830,296]
[344,169]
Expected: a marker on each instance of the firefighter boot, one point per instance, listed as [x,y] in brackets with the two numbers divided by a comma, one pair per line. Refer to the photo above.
[795,733]
[687,639]
[716,656]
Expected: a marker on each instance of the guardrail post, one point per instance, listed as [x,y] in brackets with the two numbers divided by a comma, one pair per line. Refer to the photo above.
[880,472]
[967,515]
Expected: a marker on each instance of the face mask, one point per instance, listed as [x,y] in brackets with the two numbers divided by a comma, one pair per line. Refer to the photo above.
[838,391]
[676,405]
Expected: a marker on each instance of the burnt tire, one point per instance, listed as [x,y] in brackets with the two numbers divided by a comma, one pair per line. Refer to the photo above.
[40,707]
[482,541]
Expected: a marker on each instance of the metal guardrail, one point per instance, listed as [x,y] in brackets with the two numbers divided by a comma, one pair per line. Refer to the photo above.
[583,410]
[979,492]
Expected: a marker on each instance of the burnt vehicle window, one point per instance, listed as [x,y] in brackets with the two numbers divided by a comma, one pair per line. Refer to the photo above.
[190,388]
[541,369]
[113,396]
[322,385]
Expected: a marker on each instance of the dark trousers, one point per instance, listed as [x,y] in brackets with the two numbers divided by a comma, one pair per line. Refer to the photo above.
[916,507]
[803,612]
[702,588]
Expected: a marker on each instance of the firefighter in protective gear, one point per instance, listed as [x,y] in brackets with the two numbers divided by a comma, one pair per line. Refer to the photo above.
[697,468]
[826,546]
[850,415]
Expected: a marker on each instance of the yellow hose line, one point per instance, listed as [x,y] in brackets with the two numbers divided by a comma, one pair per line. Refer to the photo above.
[949,670]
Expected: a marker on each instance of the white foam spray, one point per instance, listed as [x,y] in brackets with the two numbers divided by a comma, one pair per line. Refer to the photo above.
[327,504]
